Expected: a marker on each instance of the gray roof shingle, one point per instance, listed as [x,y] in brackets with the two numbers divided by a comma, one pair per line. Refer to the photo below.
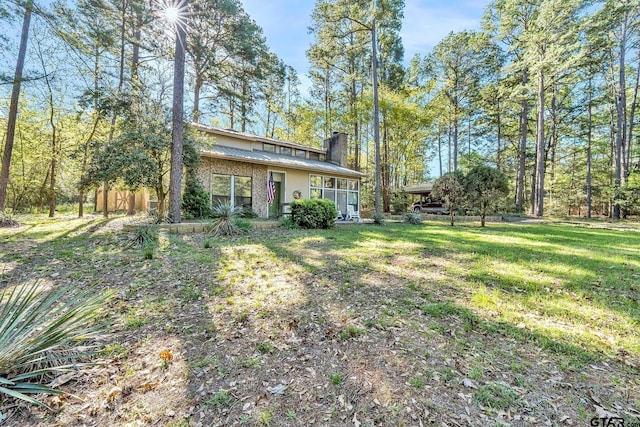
[265,158]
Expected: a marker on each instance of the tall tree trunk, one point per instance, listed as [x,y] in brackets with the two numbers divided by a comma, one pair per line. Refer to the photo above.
[589,136]
[440,150]
[85,148]
[553,140]
[13,108]
[621,122]
[456,112]
[499,138]
[196,97]
[540,149]
[522,149]
[629,136]
[449,145]
[135,84]
[106,184]
[177,134]
[43,191]
[376,115]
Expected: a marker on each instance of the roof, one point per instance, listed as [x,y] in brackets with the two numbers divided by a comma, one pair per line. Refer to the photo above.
[423,187]
[250,137]
[272,159]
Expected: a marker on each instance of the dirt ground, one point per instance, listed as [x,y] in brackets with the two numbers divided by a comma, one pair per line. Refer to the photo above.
[285,328]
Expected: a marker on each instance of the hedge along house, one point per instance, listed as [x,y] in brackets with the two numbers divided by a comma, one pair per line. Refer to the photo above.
[237,168]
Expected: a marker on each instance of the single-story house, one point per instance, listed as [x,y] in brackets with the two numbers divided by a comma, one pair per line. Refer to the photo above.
[237,168]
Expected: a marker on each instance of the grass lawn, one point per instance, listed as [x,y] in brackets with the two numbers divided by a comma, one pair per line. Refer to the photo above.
[512,324]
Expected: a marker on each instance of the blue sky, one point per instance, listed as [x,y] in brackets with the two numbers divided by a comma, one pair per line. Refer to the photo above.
[425,23]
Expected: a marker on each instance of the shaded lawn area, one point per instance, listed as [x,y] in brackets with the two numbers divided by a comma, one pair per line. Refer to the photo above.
[517,324]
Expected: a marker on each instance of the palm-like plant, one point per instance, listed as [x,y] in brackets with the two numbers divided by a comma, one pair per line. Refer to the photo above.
[41,333]
[227,221]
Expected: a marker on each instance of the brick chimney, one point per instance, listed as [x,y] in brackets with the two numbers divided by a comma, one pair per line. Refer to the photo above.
[336,148]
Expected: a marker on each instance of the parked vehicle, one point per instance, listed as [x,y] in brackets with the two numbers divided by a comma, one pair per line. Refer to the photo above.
[429,206]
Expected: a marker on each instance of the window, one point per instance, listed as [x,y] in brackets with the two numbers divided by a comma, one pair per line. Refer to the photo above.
[235,190]
[285,150]
[269,147]
[315,181]
[329,182]
[341,191]
[301,153]
[242,193]
[314,156]
[221,189]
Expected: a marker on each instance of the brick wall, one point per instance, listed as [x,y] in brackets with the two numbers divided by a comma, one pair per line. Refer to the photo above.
[258,174]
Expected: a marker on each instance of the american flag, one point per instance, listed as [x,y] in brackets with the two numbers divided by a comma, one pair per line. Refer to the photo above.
[271,189]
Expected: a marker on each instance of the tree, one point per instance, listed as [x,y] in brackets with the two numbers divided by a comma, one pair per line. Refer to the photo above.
[177,132]
[484,187]
[450,188]
[13,108]
[459,63]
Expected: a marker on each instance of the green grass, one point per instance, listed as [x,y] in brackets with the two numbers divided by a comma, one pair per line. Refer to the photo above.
[432,304]
[220,399]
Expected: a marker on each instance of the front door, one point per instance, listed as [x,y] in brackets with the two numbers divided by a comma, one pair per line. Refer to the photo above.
[274,207]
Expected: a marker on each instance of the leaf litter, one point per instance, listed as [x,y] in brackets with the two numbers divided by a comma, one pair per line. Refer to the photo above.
[269,330]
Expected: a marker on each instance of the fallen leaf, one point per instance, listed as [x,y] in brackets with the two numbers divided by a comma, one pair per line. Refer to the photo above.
[356,423]
[468,383]
[278,389]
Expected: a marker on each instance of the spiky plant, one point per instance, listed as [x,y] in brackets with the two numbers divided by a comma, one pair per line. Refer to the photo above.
[414,218]
[146,236]
[6,220]
[43,332]
[378,219]
[227,222]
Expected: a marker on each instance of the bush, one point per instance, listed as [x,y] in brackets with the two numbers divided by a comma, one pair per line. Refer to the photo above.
[313,213]
[378,218]
[247,212]
[400,202]
[146,236]
[414,218]
[485,186]
[7,221]
[287,222]
[195,200]
[43,333]
[227,221]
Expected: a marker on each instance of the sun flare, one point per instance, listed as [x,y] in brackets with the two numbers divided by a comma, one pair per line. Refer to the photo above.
[172,14]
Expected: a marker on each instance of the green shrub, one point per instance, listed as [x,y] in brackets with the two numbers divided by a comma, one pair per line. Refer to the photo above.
[195,200]
[7,221]
[227,222]
[247,212]
[400,202]
[313,213]
[378,218]
[414,218]
[43,333]
[146,236]
[287,222]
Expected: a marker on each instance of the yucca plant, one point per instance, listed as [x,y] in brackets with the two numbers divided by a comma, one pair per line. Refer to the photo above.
[43,332]
[227,221]
[378,218]
[414,218]
[6,220]
[146,235]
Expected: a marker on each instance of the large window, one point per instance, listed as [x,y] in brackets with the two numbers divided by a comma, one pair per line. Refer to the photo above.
[235,190]
[342,191]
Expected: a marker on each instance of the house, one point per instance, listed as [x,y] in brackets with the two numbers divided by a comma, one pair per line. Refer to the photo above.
[236,168]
